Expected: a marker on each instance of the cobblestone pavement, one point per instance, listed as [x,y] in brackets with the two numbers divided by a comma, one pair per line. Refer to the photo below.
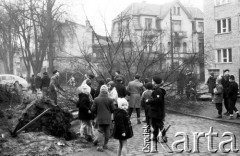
[181,123]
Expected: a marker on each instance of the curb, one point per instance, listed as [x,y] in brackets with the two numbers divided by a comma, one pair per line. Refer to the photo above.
[204,117]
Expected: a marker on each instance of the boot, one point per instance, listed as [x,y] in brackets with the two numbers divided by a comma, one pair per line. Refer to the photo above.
[138,121]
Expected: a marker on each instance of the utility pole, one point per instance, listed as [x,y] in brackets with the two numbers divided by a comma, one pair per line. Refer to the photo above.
[171,35]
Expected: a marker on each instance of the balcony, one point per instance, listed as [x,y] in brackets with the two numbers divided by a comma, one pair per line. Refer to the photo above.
[180,55]
[200,36]
[179,34]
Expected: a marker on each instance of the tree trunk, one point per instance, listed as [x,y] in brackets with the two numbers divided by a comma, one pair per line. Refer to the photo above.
[51,35]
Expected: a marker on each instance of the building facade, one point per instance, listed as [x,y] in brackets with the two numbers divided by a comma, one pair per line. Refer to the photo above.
[149,25]
[76,48]
[222,36]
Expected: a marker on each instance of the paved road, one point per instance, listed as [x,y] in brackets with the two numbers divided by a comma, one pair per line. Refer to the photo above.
[179,123]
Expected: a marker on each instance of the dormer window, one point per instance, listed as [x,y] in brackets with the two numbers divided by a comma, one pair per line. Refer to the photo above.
[148,23]
[176,11]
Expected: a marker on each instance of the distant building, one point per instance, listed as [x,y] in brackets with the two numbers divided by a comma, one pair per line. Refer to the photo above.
[149,25]
[77,46]
[222,36]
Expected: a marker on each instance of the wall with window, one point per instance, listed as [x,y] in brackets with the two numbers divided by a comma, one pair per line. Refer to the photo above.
[222,36]
[148,22]
[180,23]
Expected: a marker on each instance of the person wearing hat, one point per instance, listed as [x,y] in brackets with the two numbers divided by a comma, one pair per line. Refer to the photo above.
[54,86]
[157,110]
[147,94]
[121,89]
[103,108]
[118,75]
[218,96]
[45,84]
[211,82]
[225,83]
[122,127]
[232,97]
[85,115]
[135,89]
[108,80]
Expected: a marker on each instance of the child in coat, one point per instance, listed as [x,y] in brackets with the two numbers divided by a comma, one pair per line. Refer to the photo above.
[85,115]
[147,95]
[103,108]
[122,128]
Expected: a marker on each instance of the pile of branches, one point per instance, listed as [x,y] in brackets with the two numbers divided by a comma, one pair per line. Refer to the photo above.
[55,122]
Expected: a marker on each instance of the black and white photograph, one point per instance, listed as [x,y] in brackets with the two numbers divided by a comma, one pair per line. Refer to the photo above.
[119,77]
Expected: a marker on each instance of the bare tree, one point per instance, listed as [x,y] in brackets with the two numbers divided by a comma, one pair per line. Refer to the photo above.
[8,37]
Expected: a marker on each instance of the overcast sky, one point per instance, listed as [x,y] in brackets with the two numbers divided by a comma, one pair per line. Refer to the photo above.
[104,11]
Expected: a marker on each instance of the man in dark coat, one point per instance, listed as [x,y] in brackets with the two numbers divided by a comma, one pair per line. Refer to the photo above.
[54,86]
[181,83]
[33,86]
[38,82]
[45,83]
[121,90]
[157,109]
[211,82]
[92,92]
[119,75]
[232,97]
[225,83]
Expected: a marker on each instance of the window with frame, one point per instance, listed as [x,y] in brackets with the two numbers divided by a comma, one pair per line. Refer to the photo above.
[184,47]
[176,24]
[148,23]
[176,10]
[224,55]
[119,28]
[221,2]
[201,27]
[224,25]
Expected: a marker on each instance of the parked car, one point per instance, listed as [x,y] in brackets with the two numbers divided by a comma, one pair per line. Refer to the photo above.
[8,79]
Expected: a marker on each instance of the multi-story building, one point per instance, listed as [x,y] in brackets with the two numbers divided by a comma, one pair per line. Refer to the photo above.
[222,36]
[76,48]
[150,26]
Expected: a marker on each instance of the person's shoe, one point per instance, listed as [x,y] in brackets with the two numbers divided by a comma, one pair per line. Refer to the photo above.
[138,121]
[230,117]
[227,114]
[219,116]
[100,149]
[238,116]
[105,147]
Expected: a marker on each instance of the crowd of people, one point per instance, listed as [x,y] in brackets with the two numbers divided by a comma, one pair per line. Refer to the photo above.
[46,85]
[110,106]
[224,89]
